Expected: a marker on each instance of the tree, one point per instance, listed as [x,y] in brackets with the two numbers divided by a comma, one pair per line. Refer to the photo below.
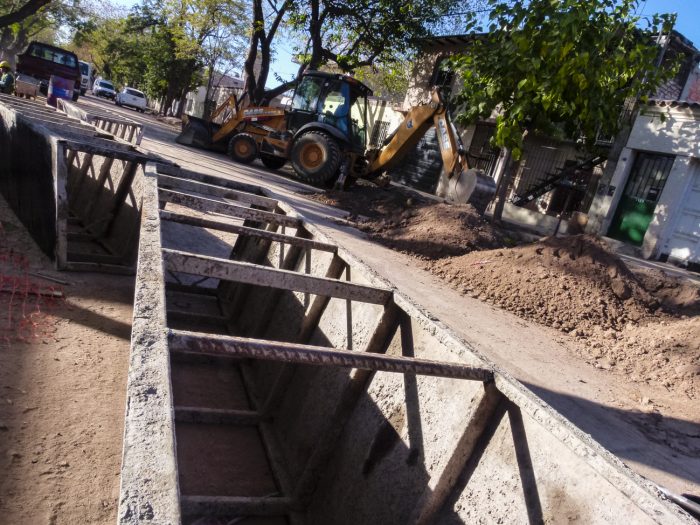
[347,34]
[560,67]
[163,46]
[15,16]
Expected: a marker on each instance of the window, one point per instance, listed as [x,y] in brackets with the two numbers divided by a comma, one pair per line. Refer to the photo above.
[84,69]
[135,93]
[53,55]
[106,85]
[306,95]
[443,77]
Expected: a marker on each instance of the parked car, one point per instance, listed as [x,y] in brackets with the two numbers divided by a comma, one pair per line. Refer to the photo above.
[104,88]
[86,71]
[132,98]
[40,61]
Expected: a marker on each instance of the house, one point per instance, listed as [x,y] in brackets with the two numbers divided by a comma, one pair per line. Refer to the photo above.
[644,189]
[650,194]
[222,86]
[533,200]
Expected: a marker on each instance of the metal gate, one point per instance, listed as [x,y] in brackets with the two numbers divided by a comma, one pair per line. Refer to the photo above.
[636,207]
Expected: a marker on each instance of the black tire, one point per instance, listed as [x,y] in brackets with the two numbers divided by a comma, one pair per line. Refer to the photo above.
[242,148]
[76,94]
[315,158]
[272,162]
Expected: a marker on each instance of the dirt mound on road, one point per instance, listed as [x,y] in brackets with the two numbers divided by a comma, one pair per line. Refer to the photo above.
[572,283]
[411,224]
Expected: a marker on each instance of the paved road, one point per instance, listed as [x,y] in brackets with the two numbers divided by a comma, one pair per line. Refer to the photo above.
[665,449]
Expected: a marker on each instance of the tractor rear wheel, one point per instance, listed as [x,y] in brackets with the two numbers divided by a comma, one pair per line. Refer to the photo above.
[242,148]
[316,158]
[272,162]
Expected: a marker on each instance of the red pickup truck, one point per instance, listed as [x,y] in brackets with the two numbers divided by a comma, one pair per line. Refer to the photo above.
[41,61]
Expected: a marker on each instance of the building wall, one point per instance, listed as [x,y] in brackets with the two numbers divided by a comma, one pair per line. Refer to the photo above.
[672,130]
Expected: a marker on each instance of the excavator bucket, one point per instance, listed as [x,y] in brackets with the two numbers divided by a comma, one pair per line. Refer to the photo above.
[470,186]
[195,132]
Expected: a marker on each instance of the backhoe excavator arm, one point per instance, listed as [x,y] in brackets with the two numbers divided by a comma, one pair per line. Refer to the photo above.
[457,183]
[418,120]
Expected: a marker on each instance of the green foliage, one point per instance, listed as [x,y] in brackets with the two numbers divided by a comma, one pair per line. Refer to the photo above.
[355,33]
[162,46]
[563,67]
[387,79]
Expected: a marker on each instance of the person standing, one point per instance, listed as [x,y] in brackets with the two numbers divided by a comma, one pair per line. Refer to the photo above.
[7,79]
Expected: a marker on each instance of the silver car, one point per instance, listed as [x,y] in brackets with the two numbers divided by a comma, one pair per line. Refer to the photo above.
[132,98]
[103,88]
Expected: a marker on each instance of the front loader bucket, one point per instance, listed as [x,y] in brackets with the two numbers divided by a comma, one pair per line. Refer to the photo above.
[195,132]
[470,186]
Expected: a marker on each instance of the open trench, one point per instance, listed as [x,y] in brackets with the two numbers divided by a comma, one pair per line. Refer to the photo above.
[291,385]
[275,378]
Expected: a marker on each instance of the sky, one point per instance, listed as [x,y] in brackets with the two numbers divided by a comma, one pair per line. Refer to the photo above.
[687,23]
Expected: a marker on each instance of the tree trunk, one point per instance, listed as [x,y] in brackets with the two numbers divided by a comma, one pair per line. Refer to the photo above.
[504,174]
[181,104]
[249,65]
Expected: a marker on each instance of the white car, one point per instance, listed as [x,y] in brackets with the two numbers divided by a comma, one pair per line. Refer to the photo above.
[131,97]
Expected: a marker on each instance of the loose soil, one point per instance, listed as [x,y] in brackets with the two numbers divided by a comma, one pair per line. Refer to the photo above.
[63,366]
[576,285]
[643,325]
[413,224]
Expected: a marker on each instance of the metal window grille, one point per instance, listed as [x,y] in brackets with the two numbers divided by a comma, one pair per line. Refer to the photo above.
[379,132]
[481,154]
[648,176]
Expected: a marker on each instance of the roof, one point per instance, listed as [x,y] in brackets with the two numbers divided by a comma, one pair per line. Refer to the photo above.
[444,41]
[222,80]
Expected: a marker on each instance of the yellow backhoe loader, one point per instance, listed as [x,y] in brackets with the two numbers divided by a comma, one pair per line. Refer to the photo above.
[324,136]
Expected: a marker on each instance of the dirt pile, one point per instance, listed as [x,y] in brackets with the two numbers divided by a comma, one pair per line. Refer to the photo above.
[415,225]
[636,323]
[573,284]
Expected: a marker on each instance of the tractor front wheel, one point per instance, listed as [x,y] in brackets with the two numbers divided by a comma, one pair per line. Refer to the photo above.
[242,148]
[316,158]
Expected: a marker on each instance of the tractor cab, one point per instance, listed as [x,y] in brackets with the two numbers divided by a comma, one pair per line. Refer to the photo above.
[334,104]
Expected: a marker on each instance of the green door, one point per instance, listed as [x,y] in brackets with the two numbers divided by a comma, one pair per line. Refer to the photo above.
[638,202]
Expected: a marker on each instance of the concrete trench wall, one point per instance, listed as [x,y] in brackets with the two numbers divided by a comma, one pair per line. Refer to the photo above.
[342,445]
[77,190]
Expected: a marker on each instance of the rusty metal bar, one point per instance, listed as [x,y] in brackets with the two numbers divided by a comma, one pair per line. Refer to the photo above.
[178,183]
[232,210]
[234,506]
[438,490]
[245,230]
[216,416]
[195,264]
[320,356]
